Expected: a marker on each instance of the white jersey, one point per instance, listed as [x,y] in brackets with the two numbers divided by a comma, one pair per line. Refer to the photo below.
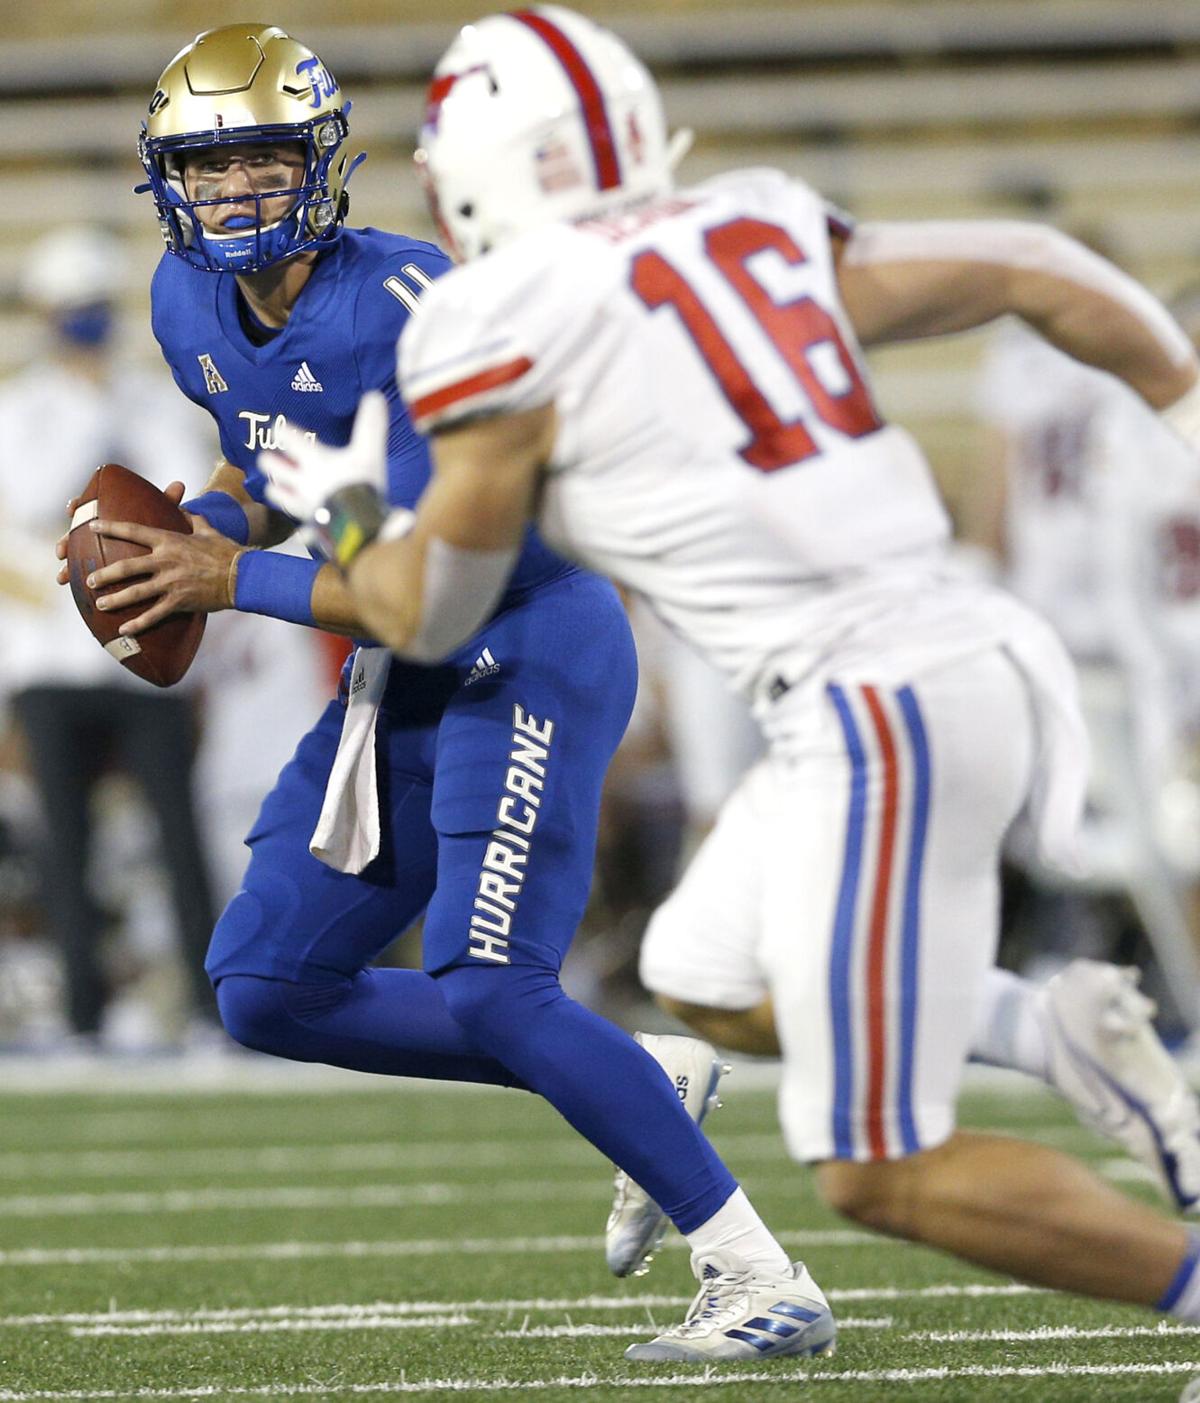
[56,428]
[264,683]
[718,449]
[1045,407]
[1149,541]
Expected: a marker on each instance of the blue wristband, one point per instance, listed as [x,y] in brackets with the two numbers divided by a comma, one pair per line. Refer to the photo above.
[222,513]
[278,585]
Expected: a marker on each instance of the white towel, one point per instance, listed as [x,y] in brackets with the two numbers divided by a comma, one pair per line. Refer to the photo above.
[347,833]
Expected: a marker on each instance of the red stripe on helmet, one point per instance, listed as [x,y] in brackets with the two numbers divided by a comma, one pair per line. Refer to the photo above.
[439,91]
[595,115]
[439,88]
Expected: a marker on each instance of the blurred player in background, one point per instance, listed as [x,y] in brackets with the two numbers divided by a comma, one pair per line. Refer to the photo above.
[690,739]
[1149,537]
[262,685]
[1093,531]
[671,383]
[710,732]
[481,811]
[80,403]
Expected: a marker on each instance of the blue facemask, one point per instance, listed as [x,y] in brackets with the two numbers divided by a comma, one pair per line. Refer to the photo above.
[86,326]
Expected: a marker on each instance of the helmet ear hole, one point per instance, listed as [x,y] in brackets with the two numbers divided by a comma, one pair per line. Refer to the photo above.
[466,211]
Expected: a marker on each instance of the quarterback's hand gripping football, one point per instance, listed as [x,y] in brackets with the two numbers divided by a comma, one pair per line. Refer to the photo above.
[178,574]
[174,490]
[337,494]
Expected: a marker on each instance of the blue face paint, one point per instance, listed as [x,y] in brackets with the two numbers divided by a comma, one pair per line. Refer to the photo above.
[91,325]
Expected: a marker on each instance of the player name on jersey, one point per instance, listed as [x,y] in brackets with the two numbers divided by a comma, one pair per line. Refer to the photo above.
[502,874]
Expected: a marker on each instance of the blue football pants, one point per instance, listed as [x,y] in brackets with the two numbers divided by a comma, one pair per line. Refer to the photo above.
[490,784]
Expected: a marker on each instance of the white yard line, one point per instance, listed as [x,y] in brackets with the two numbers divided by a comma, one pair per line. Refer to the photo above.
[289,1198]
[971,1290]
[527,1305]
[706,1378]
[575,1332]
[395,1322]
[275,1159]
[1125,1171]
[151,1163]
[1002,1371]
[344,1310]
[413,1247]
[274,1327]
[1051,1334]
[372,1154]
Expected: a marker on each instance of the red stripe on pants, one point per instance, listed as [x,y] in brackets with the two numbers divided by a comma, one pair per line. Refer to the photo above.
[877,940]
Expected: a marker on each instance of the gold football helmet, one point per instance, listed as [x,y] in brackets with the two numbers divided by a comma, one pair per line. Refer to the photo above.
[247,83]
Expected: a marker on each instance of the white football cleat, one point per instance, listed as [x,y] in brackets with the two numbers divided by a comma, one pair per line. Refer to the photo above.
[1107,1060]
[637,1225]
[740,1313]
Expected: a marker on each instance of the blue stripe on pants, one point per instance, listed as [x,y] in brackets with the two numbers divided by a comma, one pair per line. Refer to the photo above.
[911,931]
[843,933]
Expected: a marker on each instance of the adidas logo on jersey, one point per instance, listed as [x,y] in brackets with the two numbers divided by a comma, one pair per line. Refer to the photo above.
[305,381]
[485,666]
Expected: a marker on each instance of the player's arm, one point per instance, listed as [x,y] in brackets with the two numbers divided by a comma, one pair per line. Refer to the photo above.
[330,603]
[383,306]
[427,593]
[907,281]
[228,507]
[423,581]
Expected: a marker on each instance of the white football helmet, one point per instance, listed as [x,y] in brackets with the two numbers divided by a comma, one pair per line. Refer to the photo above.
[534,116]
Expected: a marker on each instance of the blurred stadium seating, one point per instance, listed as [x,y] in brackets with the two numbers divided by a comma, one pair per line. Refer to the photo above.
[1089,112]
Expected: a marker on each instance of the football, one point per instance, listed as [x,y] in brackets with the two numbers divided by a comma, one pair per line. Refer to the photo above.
[163,653]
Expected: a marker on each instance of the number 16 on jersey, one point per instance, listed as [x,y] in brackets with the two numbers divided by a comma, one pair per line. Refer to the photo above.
[794,331]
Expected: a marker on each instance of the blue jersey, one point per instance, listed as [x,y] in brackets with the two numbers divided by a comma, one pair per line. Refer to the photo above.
[339,342]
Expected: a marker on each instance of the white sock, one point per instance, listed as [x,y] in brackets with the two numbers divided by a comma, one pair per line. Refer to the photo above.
[736,1227]
[1008,1026]
[1182,1298]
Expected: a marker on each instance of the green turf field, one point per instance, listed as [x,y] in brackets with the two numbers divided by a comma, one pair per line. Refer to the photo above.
[345,1243]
